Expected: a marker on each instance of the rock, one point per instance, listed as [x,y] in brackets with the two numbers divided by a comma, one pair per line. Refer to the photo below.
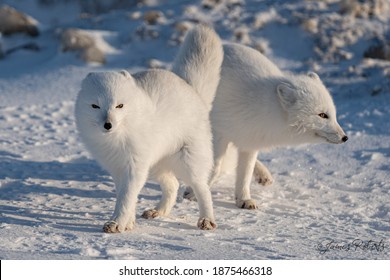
[153,17]
[261,19]
[104,6]
[364,9]
[262,46]
[181,29]
[135,15]
[354,8]
[242,36]
[93,54]
[379,51]
[210,4]
[155,64]
[75,39]
[13,21]
[310,25]
[145,32]
[78,40]
[184,26]
[376,90]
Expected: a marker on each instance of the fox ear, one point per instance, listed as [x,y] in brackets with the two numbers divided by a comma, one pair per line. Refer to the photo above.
[314,76]
[125,73]
[128,76]
[92,74]
[287,95]
[90,78]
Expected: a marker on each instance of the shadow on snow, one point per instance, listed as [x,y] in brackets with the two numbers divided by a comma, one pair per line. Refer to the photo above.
[22,180]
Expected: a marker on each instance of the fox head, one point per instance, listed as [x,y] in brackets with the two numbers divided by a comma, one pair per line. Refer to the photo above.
[310,109]
[104,101]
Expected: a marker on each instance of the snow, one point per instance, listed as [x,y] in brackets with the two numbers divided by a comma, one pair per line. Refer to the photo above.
[54,198]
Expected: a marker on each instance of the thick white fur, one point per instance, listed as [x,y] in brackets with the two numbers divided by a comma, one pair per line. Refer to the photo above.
[197,63]
[160,129]
[258,107]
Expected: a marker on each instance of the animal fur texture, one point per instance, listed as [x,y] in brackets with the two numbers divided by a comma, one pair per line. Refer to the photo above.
[154,124]
[258,107]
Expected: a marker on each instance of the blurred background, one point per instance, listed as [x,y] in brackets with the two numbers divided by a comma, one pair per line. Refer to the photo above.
[333,37]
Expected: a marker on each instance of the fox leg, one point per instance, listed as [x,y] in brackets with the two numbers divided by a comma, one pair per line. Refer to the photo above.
[127,185]
[262,174]
[206,219]
[169,186]
[220,147]
[196,164]
[245,167]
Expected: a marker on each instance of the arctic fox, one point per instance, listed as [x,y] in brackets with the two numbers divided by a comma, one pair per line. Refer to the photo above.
[154,124]
[258,107]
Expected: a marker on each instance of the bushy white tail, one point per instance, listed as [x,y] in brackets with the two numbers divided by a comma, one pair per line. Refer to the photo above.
[199,62]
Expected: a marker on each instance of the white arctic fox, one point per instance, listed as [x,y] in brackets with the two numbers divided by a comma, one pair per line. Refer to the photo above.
[258,107]
[155,124]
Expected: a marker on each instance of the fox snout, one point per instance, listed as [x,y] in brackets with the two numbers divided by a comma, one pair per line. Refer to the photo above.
[109,121]
[107,125]
[332,133]
[343,137]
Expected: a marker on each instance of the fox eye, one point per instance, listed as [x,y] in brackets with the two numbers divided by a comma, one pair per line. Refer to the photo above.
[323,115]
[95,106]
[119,106]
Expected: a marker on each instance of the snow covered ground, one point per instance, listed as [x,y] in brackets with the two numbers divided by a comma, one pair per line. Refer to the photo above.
[327,202]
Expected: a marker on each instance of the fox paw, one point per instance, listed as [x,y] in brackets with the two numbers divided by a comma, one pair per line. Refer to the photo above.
[206,224]
[150,214]
[246,204]
[189,194]
[265,181]
[114,227]
[263,176]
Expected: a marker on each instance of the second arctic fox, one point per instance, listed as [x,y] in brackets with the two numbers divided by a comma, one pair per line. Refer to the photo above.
[155,124]
[258,107]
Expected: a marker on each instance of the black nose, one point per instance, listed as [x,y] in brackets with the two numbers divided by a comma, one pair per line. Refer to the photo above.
[345,138]
[108,126]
